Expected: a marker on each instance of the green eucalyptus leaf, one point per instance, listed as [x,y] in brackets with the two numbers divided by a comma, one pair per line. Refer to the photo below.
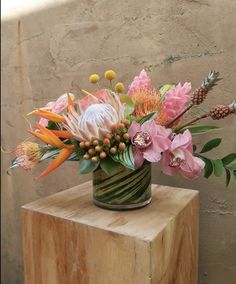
[211,145]
[109,166]
[228,177]
[229,158]
[218,167]
[147,117]
[199,129]
[87,166]
[125,157]
[208,167]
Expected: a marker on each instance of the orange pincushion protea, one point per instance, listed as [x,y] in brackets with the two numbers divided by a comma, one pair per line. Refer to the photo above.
[28,154]
[146,101]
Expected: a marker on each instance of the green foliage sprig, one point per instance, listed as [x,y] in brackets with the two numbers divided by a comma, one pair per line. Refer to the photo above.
[227,164]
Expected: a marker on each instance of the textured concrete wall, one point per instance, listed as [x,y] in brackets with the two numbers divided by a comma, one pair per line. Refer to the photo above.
[51,51]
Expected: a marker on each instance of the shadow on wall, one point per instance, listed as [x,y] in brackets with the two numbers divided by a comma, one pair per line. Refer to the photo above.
[50,51]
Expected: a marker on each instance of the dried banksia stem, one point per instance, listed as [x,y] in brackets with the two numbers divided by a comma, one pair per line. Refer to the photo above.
[209,82]
[219,112]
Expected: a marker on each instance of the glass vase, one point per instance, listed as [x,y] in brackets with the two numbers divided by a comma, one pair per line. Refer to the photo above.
[124,190]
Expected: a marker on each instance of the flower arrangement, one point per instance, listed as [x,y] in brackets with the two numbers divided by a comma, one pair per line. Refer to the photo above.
[109,127]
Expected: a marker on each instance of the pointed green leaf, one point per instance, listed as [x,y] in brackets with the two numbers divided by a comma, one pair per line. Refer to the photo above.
[211,145]
[129,105]
[218,167]
[53,125]
[199,129]
[50,154]
[87,166]
[13,164]
[165,88]
[147,117]
[232,166]
[109,166]
[128,110]
[125,158]
[234,173]
[229,158]
[208,167]
[228,176]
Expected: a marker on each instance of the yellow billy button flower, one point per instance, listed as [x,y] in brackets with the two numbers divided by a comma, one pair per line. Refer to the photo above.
[110,75]
[94,78]
[119,87]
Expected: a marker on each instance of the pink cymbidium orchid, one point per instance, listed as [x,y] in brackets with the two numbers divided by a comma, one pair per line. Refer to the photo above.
[179,158]
[149,141]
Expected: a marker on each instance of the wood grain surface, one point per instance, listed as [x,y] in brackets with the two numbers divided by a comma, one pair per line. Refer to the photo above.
[68,240]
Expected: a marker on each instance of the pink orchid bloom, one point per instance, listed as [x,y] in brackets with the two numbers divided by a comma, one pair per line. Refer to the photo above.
[142,81]
[149,141]
[56,106]
[179,158]
[176,99]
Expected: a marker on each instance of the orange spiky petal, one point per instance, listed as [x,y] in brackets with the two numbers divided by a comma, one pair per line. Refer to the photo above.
[55,141]
[40,136]
[70,104]
[61,157]
[62,133]
[49,115]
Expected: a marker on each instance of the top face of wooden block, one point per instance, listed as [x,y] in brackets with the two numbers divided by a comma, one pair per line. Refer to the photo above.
[76,205]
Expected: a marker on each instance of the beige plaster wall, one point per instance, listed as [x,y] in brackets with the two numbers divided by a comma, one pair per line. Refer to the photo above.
[50,51]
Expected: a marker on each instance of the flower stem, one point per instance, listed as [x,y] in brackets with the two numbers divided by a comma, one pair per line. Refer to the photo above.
[111,85]
[179,115]
[190,122]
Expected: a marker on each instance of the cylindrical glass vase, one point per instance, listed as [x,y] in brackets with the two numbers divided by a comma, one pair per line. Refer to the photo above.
[126,189]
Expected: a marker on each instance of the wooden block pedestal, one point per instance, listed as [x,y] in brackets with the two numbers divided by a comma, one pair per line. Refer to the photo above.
[68,240]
